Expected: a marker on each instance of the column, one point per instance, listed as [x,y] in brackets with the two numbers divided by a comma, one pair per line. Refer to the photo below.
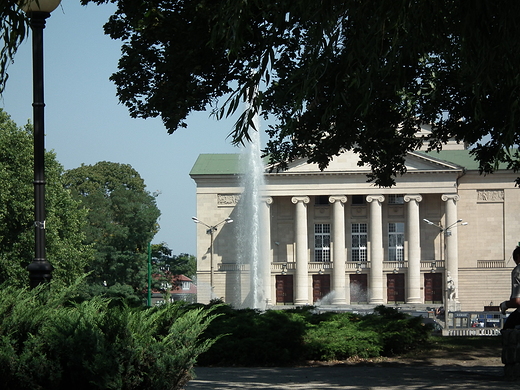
[414,249]
[450,237]
[302,250]
[339,284]
[265,243]
[376,248]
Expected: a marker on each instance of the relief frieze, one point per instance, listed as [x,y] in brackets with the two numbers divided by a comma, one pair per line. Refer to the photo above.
[228,199]
[490,195]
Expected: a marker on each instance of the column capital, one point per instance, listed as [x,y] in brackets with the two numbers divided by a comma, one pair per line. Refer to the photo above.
[303,199]
[378,198]
[454,197]
[416,197]
[267,199]
[337,198]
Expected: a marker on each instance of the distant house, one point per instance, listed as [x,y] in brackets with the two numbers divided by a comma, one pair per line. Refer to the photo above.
[180,288]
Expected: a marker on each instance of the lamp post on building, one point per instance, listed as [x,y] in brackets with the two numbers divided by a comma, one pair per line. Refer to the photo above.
[40,270]
[211,230]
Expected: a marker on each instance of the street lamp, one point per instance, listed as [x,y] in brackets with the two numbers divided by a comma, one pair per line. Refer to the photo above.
[445,230]
[40,270]
[211,230]
[450,287]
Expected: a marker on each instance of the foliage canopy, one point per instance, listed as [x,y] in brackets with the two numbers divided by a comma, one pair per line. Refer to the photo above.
[66,250]
[351,74]
[336,75]
[121,220]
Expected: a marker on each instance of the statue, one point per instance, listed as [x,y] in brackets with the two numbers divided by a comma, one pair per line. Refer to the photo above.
[450,287]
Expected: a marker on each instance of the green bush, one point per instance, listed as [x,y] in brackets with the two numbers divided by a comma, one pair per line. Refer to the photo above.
[399,331]
[284,337]
[339,338]
[49,342]
[271,338]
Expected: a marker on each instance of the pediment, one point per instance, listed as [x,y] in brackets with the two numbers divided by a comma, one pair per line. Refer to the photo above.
[347,162]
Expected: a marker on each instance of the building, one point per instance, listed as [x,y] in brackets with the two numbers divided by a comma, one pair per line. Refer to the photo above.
[179,288]
[444,230]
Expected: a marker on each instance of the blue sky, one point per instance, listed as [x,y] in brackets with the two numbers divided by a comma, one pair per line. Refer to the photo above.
[84,122]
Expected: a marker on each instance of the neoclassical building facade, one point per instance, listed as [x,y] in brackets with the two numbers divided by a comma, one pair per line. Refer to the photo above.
[443,231]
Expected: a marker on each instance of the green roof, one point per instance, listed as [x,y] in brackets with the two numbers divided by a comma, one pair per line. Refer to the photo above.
[229,164]
[216,164]
[459,157]
[462,158]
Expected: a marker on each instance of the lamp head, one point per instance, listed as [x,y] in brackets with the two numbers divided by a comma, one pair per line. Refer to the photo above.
[39,5]
[228,220]
[195,219]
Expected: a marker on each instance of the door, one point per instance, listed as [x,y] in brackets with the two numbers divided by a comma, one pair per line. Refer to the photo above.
[320,286]
[395,288]
[358,288]
[284,289]
[433,288]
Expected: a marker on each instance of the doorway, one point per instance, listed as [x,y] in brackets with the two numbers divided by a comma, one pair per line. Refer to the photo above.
[433,288]
[358,288]
[320,286]
[395,288]
[284,289]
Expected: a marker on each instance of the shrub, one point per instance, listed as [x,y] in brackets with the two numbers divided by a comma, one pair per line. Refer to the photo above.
[49,342]
[337,338]
[255,338]
[284,337]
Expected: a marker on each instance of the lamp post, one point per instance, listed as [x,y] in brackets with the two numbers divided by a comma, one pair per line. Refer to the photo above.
[211,230]
[40,270]
[447,233]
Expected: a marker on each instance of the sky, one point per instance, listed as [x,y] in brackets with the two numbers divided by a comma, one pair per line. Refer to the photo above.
[85,123]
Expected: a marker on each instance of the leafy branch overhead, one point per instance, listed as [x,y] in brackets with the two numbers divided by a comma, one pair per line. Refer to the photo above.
[334,74]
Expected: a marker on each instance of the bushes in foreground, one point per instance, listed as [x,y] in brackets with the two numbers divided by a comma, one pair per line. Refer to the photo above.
[286,337]
[49,342]
[56,340]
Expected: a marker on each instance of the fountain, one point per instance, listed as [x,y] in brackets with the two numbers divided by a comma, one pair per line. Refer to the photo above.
[249,250]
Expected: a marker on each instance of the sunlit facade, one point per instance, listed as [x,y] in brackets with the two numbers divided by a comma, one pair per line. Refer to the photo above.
[331,234]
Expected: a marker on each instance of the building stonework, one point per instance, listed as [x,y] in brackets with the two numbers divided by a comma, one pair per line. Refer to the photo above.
[332,232]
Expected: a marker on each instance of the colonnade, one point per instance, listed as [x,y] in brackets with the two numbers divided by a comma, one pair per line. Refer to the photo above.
[375,238]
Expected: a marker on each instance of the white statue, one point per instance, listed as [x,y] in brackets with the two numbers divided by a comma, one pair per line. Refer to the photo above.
[450,287]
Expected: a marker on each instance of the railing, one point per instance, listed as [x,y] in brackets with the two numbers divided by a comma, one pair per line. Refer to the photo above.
[349,265]
[357,265]
[491,264]
[473,323]
[471,332]
[232,267]
[320,266]
[394,265]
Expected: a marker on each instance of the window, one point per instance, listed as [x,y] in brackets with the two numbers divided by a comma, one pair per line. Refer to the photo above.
[185,285]
[395,199]
[321,200]
[359,242]
[396,241]
[358,199]
[322,242]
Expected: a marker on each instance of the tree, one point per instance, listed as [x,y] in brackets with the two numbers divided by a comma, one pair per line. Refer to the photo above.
[13,30]
[167,263]
[65,221]
[337,75]
[122,220]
